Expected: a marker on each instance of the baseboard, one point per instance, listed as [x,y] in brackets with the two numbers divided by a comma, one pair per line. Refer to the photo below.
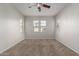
[10,46]
[69,47]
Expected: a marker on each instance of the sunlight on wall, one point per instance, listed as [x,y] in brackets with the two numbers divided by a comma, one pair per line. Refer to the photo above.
[21,25]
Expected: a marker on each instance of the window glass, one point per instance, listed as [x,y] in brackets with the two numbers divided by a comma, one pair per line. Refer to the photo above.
[36,29]
[43,23]
[36,23]
[42,29]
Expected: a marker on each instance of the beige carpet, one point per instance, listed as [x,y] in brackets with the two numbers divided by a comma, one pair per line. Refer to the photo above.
[39,47]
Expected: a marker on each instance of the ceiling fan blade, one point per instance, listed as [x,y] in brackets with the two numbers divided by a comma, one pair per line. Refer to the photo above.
[32,6]
[44,5]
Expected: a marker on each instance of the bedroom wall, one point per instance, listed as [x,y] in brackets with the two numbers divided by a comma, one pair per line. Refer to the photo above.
[9,27]
[48,34]
[68,27]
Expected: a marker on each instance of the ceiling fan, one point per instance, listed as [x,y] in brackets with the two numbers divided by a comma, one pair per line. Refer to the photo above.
[39,5]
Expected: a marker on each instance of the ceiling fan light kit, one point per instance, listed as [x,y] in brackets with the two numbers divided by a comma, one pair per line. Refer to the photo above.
[39,9]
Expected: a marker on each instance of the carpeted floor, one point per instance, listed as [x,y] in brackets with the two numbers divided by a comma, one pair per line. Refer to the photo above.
[39,47]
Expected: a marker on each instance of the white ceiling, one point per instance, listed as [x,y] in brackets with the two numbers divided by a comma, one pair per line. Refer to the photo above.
[55,8]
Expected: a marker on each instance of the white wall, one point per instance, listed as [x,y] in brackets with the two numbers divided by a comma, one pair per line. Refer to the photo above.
[9,27]
[68,30]
[29,34]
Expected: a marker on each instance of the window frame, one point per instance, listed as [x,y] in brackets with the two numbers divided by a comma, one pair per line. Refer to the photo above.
[39,25]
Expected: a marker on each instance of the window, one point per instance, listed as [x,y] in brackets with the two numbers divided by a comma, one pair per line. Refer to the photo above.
[42,25]
[36,25]
[39,25]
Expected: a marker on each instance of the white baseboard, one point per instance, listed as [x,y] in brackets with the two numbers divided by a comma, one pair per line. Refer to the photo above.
[69,47]
[10,46]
